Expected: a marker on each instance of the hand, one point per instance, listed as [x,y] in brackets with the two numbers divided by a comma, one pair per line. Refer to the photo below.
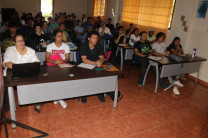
[98,63]
[58,61]
[103,27]
[43,43]
[167,53]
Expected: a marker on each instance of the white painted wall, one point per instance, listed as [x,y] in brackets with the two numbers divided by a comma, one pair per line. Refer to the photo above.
[197,35]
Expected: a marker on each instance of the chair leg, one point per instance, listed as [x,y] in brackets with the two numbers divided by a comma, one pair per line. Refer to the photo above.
[130,69]
[157,79]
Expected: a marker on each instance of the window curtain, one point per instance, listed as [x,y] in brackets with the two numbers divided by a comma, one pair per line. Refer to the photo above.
[147,14]
[99,8]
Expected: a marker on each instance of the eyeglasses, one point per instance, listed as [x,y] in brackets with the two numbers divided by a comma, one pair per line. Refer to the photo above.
[19,41]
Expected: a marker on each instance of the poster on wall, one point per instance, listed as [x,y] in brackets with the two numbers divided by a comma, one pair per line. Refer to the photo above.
[202,9]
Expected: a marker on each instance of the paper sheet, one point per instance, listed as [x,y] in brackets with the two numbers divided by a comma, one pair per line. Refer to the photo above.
[65,65]
[87,66]
[155,58]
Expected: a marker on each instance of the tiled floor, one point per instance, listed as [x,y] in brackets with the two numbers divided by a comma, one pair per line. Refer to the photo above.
[140,114]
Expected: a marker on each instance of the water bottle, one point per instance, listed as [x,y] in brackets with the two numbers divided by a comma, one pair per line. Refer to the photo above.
[193,53]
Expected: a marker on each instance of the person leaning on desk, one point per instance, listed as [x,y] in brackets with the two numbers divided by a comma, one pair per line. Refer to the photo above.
[92,53]
[19,53]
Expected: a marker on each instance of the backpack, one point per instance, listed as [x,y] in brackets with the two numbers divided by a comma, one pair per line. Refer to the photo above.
[112,94]
[179,58]
[110,57]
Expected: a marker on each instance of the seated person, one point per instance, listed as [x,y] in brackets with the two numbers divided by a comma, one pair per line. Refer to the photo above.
[142,50]
[65,35]
[129,31]
[36,39]
[115,29]
[80,33]
[62,50]
[97,23]
[27,30]
[92,53]
[109,24]
[150,36]
[134,37]
[52,24]
[175,47]
[160,48]
[19,53]
[87,24]
[9,35]
[121,37]
[104,31]
[47,31]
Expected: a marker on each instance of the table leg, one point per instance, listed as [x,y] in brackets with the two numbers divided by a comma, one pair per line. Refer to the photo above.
[12,104]
[157,78]
[116,94]
[121,68]
[196,81]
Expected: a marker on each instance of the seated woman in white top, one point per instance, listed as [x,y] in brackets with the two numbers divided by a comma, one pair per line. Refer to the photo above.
[80,33]
[134,37]
[160,49]
[104,31]
[19,53]
[58,48]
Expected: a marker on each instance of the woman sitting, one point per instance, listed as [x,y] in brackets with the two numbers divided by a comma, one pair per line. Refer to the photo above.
[19,53]
[175,47]
[134,37]
[58,53]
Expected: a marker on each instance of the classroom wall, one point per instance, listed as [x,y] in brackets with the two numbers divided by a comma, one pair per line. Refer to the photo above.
[76,6]
[197,34]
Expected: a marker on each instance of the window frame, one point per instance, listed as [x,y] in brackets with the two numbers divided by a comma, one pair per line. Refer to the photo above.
[169,28]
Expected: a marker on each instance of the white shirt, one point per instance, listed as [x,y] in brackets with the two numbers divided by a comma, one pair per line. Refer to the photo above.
[136,39]
[160,48]
[62,50]
[12,55]
[106,31]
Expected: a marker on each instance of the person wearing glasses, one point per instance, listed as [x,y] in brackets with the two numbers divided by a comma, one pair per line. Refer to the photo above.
[19,53]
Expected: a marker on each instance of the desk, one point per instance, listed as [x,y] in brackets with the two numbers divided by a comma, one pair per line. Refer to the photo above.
[173,68]
[128,55]
[41,55]
[58,85]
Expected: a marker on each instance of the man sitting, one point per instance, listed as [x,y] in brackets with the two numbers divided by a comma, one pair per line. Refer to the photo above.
[150,36]
[109,24]
[92,53]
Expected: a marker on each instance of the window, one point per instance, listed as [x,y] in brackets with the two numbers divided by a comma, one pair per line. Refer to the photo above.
[171,15]
[47,8]
[99,8]
[148,13]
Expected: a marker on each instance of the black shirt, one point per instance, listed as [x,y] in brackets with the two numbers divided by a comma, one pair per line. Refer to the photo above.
[35,40]
[110,26]
[143,48]
[172,46]
[92,54]
[120,40]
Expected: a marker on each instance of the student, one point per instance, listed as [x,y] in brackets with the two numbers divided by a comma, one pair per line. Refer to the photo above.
[150,36]
[121,37]
[175,47]
[92,53]
[109,24]
[52,24]
[97,23]
[142,50]
[88,23]
[11,32]
[104,31]
[129,31]
[62,50]
[65,35]
[160,48]
[47,31]
[134,37]
[38,38]
[80,33]
[19,53]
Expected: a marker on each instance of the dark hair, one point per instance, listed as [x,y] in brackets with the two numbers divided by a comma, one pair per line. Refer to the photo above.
[176,38]
[49,18]
[143,32]
[12,24]
[55,32]
[61,24]
[159,35]
[91,33]
[14,38]
[37,24]
[117,24]
[45,22]
[131,24]
[120,27]
[78,21]
[109,19]
[89,18]
[135,29]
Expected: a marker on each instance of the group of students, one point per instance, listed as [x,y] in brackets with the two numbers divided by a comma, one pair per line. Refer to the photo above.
[143,49]
[56,53]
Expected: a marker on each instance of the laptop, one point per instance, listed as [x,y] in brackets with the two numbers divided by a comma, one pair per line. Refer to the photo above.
[25,69]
